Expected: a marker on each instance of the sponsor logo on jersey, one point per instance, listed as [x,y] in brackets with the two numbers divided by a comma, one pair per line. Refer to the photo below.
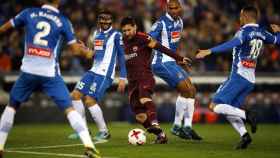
[175,36]
[98,44]
[249,63]
[42,52]
[130,56]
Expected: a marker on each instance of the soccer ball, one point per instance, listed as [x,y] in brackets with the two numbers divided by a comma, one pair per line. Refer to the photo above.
[136,137]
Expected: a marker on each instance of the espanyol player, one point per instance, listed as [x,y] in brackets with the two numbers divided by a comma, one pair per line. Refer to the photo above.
[247,45]
[45,28]
[167,30]
[108,46]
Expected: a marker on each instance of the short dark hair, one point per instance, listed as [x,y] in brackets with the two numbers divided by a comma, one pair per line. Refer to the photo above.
[105,11]
[128,21]
[51,1]
[251,11]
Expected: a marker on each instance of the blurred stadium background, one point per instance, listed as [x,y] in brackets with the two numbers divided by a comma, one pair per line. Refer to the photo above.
[207,22]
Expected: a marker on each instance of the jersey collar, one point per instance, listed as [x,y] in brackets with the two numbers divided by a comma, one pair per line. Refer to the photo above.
[250,24]
[173,20]
[46,6]
[108,30]
[169,17]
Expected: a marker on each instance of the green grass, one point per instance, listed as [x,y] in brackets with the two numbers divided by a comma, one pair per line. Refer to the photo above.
[219,141]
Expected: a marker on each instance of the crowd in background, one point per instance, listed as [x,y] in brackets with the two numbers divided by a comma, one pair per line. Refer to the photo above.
[206,23]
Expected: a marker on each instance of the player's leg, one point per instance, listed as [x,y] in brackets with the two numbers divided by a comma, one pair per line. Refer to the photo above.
[79,107]
[97,116]
[225,95]
[139,109]
[178,78]
[81,89]
[145,90]
[250,115]
[164,71]
[187,99]
[96,92]
[20,93]
[228,99]
[224,99]
[238,124]
[57,90]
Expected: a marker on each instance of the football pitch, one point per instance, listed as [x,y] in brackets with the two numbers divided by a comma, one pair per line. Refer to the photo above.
[50,141]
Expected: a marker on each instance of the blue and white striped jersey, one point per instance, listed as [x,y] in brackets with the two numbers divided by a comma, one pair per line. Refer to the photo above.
[108,47]
[45,28]
[167,31]
[247,45]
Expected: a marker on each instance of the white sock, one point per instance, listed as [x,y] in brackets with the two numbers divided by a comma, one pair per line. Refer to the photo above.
[80,127]
[188,116]
[237,124]
[229,110]
[6,123]
[80,108]
[181,106]
[97,116]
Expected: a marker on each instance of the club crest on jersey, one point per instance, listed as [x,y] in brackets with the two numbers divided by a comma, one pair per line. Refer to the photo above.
[175,36]
[36,51]
[98,44]
[134,48]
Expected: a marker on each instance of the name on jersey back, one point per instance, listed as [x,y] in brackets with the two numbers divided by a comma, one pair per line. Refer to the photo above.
[52,17]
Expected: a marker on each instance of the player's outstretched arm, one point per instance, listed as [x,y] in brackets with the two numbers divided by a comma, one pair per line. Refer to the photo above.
[5,27]
[80,49]
[220,48]
[276,29]
[203,53]
[157,46]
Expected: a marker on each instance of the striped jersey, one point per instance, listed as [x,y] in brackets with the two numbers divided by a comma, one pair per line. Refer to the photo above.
[45,29]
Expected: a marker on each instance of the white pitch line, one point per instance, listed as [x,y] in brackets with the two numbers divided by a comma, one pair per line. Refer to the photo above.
[44,147]
[48,154]
[54,146]
[43,153]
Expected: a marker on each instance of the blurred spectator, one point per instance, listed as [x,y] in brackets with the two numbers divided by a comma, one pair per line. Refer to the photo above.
[5,62]
[207,23]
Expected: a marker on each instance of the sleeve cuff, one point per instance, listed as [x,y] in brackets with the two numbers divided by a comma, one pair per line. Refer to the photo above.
[122,78]
[12,22]
[72,41]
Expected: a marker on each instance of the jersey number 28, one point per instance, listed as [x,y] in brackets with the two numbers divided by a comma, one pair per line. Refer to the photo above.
[45,29]
[256,46]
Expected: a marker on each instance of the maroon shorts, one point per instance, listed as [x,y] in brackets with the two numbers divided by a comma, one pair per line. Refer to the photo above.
[142,88]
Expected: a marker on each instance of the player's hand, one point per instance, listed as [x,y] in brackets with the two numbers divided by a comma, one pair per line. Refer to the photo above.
[121,86]
[89,54]
[185,61]
[202,53]
[275,28]
[186,64]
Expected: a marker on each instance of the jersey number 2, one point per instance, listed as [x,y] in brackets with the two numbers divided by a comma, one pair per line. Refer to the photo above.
[256,46]
[45,30]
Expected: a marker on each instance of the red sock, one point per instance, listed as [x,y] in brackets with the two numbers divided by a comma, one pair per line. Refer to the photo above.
[151,112]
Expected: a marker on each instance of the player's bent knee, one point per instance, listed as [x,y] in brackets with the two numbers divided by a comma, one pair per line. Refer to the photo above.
[212,106]
[68,110]
[186,89]
[145,100]
[76,95]
[142,117]
[89,101]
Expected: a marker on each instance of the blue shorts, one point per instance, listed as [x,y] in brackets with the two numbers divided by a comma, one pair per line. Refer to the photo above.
[54,87]
[94,85]
[170,72]
[233,91]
